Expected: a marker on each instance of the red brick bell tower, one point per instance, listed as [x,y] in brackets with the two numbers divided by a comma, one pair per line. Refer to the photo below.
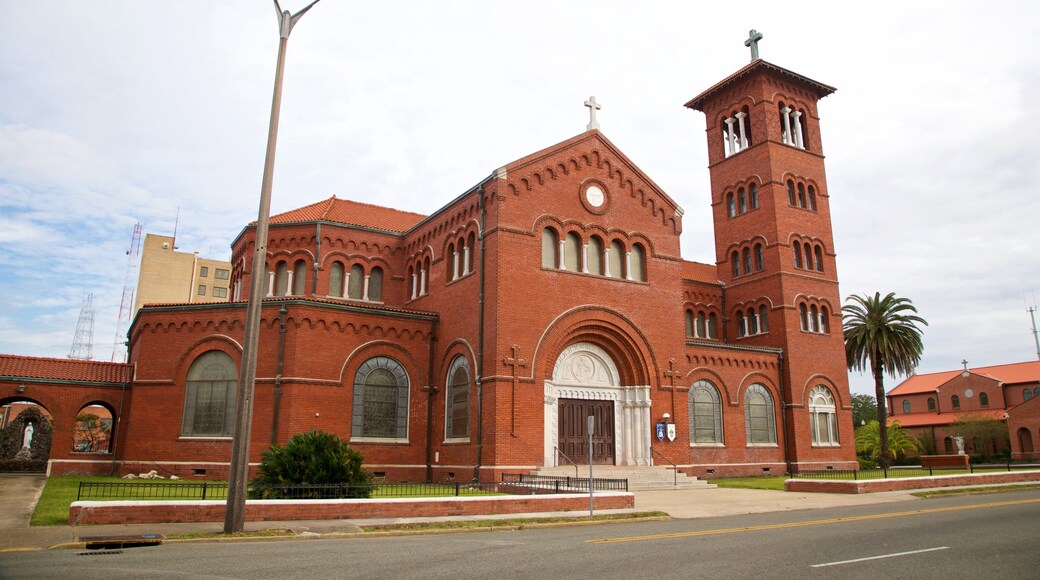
[775,250]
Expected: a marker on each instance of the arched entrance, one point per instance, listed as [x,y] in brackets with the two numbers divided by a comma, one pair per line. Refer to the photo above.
[586,382]
[1025,440]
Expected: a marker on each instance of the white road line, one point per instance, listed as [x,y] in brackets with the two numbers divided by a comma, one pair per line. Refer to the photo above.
[881,557]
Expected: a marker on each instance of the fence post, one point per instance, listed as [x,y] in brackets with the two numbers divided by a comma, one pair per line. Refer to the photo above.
[929,470]
[556,485]
[855,475]
[456,489]
[971,468]
[204,486]
[884,470]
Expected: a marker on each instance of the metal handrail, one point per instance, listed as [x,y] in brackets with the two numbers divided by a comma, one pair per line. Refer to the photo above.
[559,453]
[675,468]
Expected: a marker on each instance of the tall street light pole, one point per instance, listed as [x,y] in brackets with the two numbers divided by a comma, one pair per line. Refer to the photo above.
[234,515]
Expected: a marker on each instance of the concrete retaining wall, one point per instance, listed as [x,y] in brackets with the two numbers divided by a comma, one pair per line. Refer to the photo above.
[908,483]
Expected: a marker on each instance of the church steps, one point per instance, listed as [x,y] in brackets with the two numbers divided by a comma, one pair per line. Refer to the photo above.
[639,478]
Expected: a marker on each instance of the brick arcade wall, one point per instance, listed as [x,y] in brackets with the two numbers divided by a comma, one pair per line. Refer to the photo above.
[141,512]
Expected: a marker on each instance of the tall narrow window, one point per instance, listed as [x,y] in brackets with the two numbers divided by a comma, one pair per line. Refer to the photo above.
[803,316]
[550,248]
[819,258]
[336,279]
[984,399]
[814,320]
[797,255]
[823,416]
[281,279]
[713,326]
[734,259]
[375,285]
[689,324]
[469,256]
[790,192]
[824,325]
[299,278]
[452,262]
[747,260]
[753,195]
[705,412]
[1026,394]
[763,318]
[456,401]
[906,406]
[571,249]
[808,256]
[617,259]
[380,400]
[752,317]
[760,259]
[638,263]
[741,324]
[595,256]
[812,198]
[209,396]
[731,205]
[743,200]
[356,284]
[931,404]
[955,402]
[760,424]
[702,331]
[801,195]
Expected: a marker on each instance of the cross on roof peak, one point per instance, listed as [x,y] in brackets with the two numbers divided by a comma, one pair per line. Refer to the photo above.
[753,37]
[593,107]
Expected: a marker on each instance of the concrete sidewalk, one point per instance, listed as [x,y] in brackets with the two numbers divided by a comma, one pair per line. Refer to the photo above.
[20,492]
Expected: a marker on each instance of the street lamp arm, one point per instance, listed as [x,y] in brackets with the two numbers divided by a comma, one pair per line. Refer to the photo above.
[287,21]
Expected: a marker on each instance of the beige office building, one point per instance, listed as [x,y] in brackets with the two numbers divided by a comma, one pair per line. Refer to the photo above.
[171,277]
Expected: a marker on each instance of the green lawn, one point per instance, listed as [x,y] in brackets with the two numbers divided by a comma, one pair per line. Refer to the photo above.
[773,483]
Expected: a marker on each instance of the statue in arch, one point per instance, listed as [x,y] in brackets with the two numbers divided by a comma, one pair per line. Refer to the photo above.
[27,436]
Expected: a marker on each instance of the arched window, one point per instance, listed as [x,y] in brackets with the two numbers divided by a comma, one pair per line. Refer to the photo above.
[456,400]
[752,317]
[734,259]
[638,263]
[572,246]
[906,406]
[689,324]
[299,283]
[336,279]
[812,198]
[984,399]
[760,424]
[803,316]
[760,259]
[209,396]
[801,195]
[753,195]
[747,260]
[469,253]
[797,255]
[823,416]
[814,319]
[617,259]
[1027,394]
[356,282]
[702,332]
[763,318]
[955,402]
[425,275]
[731,205]
[1036,392]
[931,404]
[819,259]
[375,285]
[741,324]
[281,279]
[595,256]
[825,326]
[705,411]
[790,192]
[713,325]
[550,248]
[380,400]
[743,200]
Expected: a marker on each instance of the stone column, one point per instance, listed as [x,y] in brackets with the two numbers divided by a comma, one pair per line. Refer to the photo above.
[563,254]
[465,260]
[628,265]
[288,283]
[422,282]
[797,128]
[585,258]
[270,284]
[787,125]
[455,265]
[364,291]
[731,138]
[743,133]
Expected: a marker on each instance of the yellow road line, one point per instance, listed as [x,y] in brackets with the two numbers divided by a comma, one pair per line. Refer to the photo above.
[811,522]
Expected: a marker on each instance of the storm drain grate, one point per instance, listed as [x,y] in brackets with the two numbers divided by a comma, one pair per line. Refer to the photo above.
[99,552]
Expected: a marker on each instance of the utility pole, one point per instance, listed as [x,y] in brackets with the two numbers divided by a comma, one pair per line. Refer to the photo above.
[238,478]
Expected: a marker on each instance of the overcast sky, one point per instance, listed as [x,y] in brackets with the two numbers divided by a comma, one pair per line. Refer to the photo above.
[119,112]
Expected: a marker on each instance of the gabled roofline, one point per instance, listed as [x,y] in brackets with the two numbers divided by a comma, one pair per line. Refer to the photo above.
[819,88]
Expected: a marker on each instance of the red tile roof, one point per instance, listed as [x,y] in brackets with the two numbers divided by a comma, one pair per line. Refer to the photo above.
[928,419]
[1026,372]
[700,272]
[29,367]
[352,213]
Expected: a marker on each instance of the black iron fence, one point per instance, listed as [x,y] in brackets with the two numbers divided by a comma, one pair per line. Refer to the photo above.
[908,471]
[511,484]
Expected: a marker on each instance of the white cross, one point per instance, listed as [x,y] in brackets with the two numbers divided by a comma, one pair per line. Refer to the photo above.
[593,107]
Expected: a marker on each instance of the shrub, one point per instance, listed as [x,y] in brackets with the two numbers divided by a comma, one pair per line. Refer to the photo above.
[866,463]
[312,458]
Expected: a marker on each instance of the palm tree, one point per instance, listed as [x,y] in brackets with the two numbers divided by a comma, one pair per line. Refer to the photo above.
[881,335]
[868,439]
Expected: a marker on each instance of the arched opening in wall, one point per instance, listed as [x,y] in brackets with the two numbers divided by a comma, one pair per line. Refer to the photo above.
[550,248]
[595,258]
[452,262]
[701,329]
[336,279]
[790,192]
[752,317]
[753,195]
[413,282]
[825,323]
[760,258]
[28,429]
[948,447]
[470,252]
[281,278]
[955,402]
[571,251]
[638,263]
[457,400]
[797,254]
[209,396]
[425,276]
[689,324]
[268,287]
[713,325]
[1027,394]
[984,399]
[803,125]
[731,205]
[746,254]
[93,432]
[803,316]
[742,196]
[1025,440]
[931,404]
[801,195]
[299,278]
[375,285]
[763,318]
[356,282]
[814,321]
[734,260]
[741,324]
[819,258]
[617,257]
[812,198]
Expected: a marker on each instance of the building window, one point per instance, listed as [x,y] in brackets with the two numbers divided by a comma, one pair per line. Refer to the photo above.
[281,279]
[797,255]
[380,400]
[336,279]
[758,416]
[984,399]
[689,324]
[731,205]
[1036,392]
[203,271]
[1026,394]
[209,401]
[803,316]
[763,319]
[931,404]
[299,278]
[955,402]
[638,263]
[760,259]
[701,329]
[819,259]
[219,292]
[705,413]
[713,321]
[906,406]
[375,285]
[743,200]
[355,282]
[571,247]
[790,192]
[747,260]
[595,256]
[734,259]
[812,198]
[741,325]
[823,416]
[753,195]
[550,248]
[456,401]
[617,256]
[736,132]
[222,274]
[202,290]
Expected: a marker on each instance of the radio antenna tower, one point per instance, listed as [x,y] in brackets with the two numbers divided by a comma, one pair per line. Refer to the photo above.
[83,343]
[1036,338]
[133,257]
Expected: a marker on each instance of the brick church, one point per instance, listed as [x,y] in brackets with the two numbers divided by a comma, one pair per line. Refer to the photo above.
[476,340]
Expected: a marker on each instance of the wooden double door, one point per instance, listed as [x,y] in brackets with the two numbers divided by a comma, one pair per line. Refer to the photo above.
[573,430]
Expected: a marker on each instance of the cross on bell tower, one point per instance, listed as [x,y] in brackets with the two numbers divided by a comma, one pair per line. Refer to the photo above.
[753,37]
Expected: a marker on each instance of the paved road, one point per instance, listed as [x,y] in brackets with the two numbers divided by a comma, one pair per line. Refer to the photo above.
[972,536]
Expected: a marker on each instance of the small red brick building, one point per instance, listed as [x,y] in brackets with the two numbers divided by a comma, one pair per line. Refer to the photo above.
[928,405]
[476,340]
